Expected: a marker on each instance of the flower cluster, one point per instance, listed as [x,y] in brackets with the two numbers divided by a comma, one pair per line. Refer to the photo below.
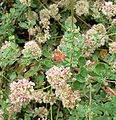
[109,9]
[96,13]
[14,108]
[53,10]
[99,4]
[6,45]
[26,2]
[43,112]
[69,19]
[67,96]
[66,3]
[82,7]
[112,47]
[45,97]
[21,92]
[58,75]
[95,37]
[33,47]
[44,17]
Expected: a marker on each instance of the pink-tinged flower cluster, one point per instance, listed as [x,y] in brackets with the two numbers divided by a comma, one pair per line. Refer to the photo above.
[95,38]
[58,75]
[33,47]
[109,9]
[21,92]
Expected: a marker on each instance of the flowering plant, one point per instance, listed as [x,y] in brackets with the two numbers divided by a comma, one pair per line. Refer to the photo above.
[57,60]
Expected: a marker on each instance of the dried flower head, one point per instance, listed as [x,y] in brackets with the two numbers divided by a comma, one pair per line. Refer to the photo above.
[26,2]
[95,38]
[33,47]
[45,97]
[43,112]
[67,96]
[53,10]
[69,19]
[82,7]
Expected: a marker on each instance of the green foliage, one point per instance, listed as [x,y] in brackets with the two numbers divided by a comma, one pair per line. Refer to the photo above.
[94,73]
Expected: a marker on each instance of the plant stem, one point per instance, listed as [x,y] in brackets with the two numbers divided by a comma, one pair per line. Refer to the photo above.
[43,88]
[84,22]
[72,12]
[29,22]
[51,107]
[90,99]
[58,111]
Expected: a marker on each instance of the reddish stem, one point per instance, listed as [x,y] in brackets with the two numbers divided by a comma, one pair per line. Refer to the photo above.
[110,81]
[41,3]
[90,100]
[84,22]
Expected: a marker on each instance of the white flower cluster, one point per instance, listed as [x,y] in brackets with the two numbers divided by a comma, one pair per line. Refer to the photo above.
[53,10]
[109,9]
[45,97]
[57,77]
[6,45]
[33,47]
[21,92]
[26,2]
[82,7]
[95,38]
[112,48]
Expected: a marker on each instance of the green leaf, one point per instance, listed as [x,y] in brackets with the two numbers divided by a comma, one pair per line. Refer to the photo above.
[13,76]
[82,61]
[77,85]
[83,71]
[23,25]
[46,53]
[48,63]
[100,68]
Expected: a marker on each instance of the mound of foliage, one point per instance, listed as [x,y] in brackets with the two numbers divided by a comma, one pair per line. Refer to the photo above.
[57,60]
